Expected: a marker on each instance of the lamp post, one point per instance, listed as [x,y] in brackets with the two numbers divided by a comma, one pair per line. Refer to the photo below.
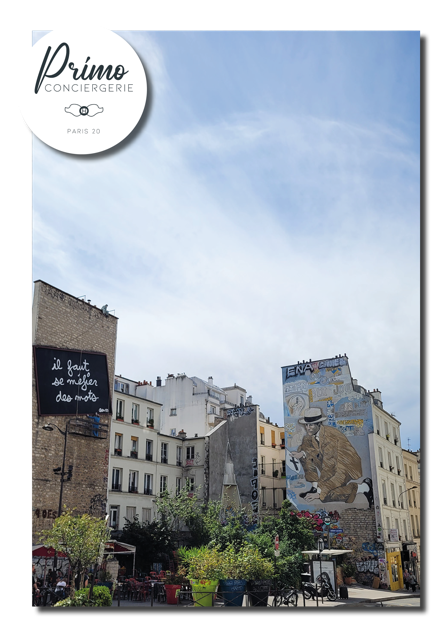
[58,470]
[61,472]
[320,546]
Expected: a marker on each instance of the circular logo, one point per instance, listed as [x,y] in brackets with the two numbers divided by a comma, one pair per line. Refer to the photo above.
[84,92]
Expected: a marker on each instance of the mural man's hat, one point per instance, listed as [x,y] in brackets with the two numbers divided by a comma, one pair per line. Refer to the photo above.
[312,416]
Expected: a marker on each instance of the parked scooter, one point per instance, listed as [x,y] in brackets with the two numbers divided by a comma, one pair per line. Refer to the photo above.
[325,588]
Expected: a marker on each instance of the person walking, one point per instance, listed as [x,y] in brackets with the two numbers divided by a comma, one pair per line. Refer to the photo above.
[413,582]
[406,579]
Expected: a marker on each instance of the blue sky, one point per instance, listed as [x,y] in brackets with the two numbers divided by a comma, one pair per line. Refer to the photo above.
[267,212]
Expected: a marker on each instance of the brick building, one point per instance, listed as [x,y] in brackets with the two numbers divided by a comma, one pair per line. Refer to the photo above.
[73,372]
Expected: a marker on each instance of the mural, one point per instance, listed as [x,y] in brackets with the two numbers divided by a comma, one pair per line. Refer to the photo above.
[326,426]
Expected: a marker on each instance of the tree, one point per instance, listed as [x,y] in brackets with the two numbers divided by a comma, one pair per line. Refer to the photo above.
[153,542]
[81,538]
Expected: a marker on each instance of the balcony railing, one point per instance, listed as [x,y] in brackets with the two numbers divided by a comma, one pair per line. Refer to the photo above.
[134,454]
[116,487]
[164,460]
[147,491]
[149,457]
[118,452]
[179,463]
[133,488]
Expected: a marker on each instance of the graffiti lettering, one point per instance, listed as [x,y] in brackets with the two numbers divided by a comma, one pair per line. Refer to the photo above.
[254,483]
[237,412]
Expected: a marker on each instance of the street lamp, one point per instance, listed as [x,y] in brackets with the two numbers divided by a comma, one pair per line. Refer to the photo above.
[61,471]
[405,491]
[321,547]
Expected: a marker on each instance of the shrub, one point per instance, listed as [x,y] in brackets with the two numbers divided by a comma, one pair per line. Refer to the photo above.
[101,598]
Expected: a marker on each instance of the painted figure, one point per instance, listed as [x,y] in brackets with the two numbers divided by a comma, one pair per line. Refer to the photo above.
[330,462]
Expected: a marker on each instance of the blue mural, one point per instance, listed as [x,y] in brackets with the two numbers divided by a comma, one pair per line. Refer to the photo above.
[326,427]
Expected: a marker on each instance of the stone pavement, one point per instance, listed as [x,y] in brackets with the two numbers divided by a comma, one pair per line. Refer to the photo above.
[358,596]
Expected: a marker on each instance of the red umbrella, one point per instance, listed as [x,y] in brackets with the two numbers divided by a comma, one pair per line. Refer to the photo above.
[46,552]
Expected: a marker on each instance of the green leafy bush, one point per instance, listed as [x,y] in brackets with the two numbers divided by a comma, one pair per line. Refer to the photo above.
[100,598]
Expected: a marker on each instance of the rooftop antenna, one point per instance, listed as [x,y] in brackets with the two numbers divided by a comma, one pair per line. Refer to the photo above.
[409,440]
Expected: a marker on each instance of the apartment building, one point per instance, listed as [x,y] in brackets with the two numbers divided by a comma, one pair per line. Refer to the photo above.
[144,462]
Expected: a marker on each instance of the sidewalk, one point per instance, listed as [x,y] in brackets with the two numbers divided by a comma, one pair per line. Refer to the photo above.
[357,595]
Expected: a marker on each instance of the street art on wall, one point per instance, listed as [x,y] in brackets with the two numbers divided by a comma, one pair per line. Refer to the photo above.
[327,424]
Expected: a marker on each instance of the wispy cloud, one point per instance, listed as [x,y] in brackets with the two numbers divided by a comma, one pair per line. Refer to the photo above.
[234,246]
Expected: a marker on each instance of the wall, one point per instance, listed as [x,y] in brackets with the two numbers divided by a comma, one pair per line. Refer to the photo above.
[62,321]
[326,476]
[240,431]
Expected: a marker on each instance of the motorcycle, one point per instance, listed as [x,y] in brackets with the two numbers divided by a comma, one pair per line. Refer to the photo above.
[325,588]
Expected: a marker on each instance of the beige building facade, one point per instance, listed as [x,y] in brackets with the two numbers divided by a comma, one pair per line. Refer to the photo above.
[411,460]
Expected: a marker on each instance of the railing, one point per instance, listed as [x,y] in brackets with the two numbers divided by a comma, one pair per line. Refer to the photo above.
[116,487]
[134,454]
[147,492]
[117,452]
[164,460]
[149,457]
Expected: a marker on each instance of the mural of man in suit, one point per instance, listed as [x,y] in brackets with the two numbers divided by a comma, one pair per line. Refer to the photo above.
[330,462]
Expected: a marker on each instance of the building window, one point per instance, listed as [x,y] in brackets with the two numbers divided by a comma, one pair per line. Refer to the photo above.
[274,468]
[148,484]
[378,428]
[178,486]
[284,468]
[406,470]
[116,479]
[263,463]
[113,517]
[190,453]
[134,447]
[149,417]
[149,450]
[263,496]
[121,386]
[133,481]
[397,463]
[163,483]
[392,490]
[242,400]
[261,435]
[212,409]
[164,453]
[413,499]
[190,485]
[179,456]
[386,429]
[400,491]
[273,438]
[130,513]
[395,436]
[282,439]
[146,516]
[405,530]
[118,446]
[274,499]
[119,413]
[413,527]
[173,412]
[389,460]
[135,413]
[380,457]
[410,472]
[384,492]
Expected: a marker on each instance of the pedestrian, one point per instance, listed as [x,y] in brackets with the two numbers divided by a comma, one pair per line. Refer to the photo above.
[406,579]
[36,591]
[413,582]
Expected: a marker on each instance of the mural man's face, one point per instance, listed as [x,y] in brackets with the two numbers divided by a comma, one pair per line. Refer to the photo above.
[312,429]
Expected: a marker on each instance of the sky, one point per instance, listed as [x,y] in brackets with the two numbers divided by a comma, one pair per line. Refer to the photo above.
[266,211]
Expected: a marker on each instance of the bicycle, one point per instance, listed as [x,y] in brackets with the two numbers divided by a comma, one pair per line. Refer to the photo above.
[286,597]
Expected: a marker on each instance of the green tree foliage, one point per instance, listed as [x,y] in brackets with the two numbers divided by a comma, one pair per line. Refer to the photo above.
[81,537]
[101,598]
[154,541]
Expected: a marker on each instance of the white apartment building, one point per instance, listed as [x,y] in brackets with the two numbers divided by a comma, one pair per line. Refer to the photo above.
[191,404]
[143,462]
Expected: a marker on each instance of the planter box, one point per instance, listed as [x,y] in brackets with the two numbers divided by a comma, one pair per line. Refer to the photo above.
[232,592]
[258,591]
[171,593]
[203,592]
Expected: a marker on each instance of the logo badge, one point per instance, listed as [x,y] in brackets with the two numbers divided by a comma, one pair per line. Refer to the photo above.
[84,92]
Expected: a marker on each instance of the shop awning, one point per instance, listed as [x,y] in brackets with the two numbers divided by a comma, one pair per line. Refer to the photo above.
[40,551]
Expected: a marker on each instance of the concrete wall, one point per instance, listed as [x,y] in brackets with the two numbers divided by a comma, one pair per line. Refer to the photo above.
[241,434]
[61,320]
